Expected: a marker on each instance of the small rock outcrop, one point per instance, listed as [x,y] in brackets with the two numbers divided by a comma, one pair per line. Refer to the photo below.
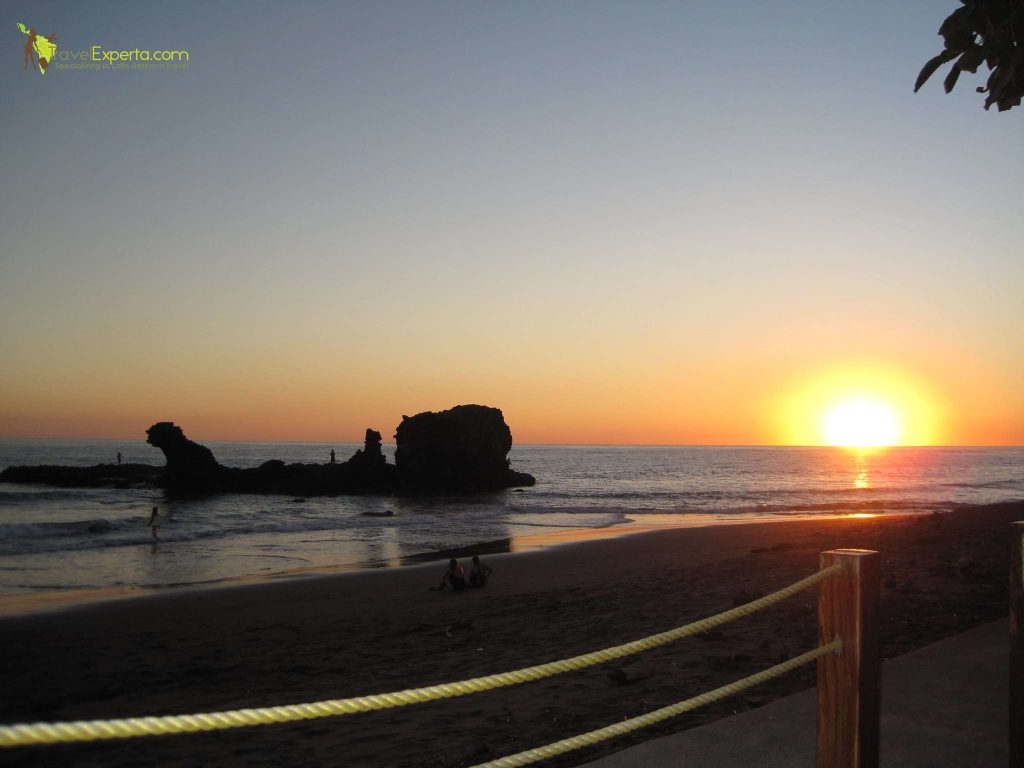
[190,465]
[370,455]
[368,470]
[192,469]
[462,449]
[97,476]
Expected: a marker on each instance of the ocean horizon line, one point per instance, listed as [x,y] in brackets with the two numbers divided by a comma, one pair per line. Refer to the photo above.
[358,441]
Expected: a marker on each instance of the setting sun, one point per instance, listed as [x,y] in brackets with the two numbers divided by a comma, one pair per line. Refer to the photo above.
[861,405]
[861,424]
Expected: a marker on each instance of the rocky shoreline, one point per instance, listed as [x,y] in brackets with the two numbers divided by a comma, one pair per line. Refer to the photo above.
[462,449]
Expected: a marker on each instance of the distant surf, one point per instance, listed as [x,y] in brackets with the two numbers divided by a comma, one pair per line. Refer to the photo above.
[81,539]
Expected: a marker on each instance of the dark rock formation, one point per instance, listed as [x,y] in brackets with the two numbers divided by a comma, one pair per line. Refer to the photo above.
[462,449]
[97,476]
[192,469]
[368,469]
[190,466]
[370,455]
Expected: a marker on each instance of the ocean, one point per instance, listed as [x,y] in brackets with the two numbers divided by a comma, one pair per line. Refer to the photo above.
[63,539]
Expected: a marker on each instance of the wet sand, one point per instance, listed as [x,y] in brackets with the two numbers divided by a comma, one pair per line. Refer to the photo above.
[333,636]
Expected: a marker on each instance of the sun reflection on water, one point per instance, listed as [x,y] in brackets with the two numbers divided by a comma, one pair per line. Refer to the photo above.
[862,478]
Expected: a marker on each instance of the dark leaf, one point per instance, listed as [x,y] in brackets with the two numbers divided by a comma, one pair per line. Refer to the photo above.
[951,78]
[1005,104]
[969,61]
[929,69]
[989,32]
[993,81]
[959,29]
[956,21]
[999,13]
[1001,78]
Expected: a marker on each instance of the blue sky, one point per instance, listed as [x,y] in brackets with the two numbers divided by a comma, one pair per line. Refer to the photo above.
[565,207]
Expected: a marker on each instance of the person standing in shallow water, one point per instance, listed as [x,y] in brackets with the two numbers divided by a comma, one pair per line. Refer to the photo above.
[154,522]
[119,458]
[332,455]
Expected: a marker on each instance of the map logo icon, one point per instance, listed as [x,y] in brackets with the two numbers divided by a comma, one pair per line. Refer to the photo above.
[38,49]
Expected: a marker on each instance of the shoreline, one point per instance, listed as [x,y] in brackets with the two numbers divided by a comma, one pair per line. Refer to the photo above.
[380,630]
[18,604]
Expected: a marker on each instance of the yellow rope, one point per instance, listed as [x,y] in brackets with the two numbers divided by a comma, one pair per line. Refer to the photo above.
[124,728]
[626,726]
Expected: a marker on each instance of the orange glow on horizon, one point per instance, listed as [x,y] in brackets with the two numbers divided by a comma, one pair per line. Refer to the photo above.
[654,402]
[863,406]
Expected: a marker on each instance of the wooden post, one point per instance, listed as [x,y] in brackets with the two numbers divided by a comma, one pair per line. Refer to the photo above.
[848,682]
[1017,646]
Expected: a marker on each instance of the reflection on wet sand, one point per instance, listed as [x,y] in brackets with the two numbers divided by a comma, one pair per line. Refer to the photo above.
[35,602]
[383,551]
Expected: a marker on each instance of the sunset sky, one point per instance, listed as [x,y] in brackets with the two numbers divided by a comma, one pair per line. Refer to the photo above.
[649,222]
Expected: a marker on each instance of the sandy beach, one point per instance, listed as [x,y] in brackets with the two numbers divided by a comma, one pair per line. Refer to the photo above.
[343,635]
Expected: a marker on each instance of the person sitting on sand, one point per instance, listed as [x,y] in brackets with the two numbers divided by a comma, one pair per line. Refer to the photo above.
[454,578]
[479,574]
